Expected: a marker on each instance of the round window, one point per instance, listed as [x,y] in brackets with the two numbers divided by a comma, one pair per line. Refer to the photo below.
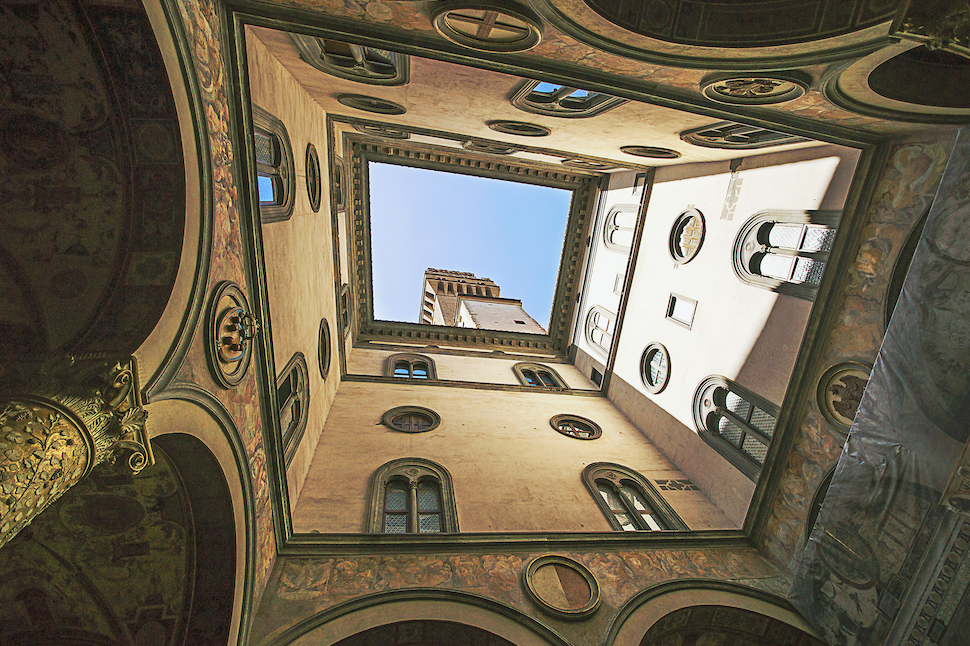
[520,128]
[370,104]
[562,587]
[313,177]
[576,427]
[655,367]
[494,26]
[411,419]
[323,348]
[687,236]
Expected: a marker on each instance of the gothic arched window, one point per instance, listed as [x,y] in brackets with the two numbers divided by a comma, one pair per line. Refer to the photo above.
[628,500]
[619,227]
[293,399]
[412,496]
[554,100]
[275,177]
[785,251]
[538,376]
[736,422]
[410,366]
[599,329]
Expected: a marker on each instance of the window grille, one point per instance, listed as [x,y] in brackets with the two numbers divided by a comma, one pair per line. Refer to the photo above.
[275,177]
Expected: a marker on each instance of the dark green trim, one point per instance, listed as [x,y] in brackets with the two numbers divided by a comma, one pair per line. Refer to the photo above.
[217,411]
[648,595]
[192,314]
[631,266]
[523,65]
[343,544]
[264,367]
[468,385]
[335,242]
[802,386]
[302,628]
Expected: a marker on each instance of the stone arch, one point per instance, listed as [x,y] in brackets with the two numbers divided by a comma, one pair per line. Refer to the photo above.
[188,419]
[354,617]
[161,353]
[644,611]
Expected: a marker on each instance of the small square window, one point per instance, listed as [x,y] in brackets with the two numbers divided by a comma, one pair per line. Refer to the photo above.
[596,377]
[681,310]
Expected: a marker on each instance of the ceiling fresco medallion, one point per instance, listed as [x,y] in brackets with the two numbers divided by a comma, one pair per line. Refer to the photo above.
[745,89]
[231,327]
[840,391]
[493,26]
[562,587]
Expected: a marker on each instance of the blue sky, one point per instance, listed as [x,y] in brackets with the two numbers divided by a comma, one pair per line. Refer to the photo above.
[507,231]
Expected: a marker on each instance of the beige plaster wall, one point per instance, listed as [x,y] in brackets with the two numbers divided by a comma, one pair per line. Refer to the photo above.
[488,369]
[511,470]
[299,251]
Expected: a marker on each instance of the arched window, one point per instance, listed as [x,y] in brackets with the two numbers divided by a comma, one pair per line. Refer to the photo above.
[412,496]
[736,422]
[618,228]
[353,62]
[275,177]
[554,100]
[599,329]
[785,251]
[410,366]
[538,376]
[293,399]
[628,500]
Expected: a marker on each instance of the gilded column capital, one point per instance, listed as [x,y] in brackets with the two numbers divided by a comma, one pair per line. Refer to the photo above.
[57,422]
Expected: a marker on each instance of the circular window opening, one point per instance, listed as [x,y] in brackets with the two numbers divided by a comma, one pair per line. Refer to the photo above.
[411,419]
[370,104]
[586,164]
[382,131]
[576,427]
[650,151]
[520,128]
[562,587]
[655,367]
[489,147]
[323,348]
[924,77]
[687,236]
[496,26]
[313,177]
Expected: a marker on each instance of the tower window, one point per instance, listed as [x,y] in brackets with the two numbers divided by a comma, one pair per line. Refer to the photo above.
[412,496]
[410,366]
[785,251]
[736,422]
[293,400]
[628,500]
[275,177]
[538,376]
[619,226]
[554,100]
[599,329]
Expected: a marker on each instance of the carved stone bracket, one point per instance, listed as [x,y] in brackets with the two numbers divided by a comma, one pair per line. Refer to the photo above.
[938,24]
[57,422]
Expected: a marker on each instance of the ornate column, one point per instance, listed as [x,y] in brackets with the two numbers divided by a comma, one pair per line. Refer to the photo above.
[57,422]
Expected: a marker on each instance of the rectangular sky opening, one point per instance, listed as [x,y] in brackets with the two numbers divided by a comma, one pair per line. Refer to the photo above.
[509,232]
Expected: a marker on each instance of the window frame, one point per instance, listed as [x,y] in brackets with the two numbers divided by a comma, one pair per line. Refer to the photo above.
[610,226]
[297,371]
[617,475]
[747,245]
[390,364]
[389,417]
[522,367]
[604,351]
[313,52]
[270,126]
[703,413]
[551,105]
[412,471]
[556,420]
